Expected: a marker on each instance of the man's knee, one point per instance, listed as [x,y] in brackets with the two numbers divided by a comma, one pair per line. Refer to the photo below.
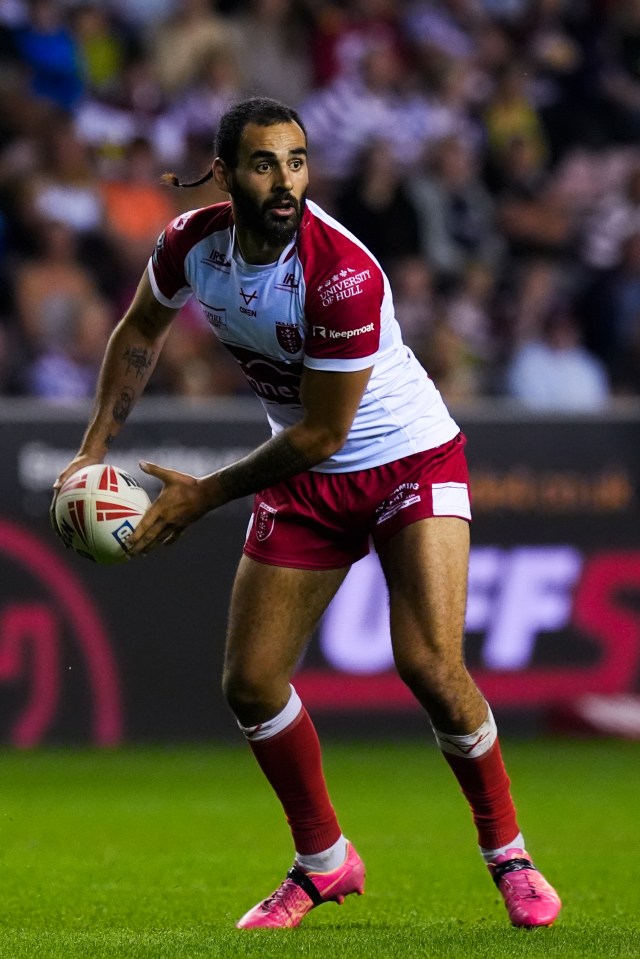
[249,692]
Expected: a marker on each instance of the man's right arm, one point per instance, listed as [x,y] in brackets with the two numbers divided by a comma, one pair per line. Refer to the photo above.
[129,361]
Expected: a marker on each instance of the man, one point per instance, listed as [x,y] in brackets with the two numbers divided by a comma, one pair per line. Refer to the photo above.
[362,447]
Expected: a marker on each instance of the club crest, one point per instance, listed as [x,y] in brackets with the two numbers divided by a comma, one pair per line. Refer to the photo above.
[289,337]
[265,520]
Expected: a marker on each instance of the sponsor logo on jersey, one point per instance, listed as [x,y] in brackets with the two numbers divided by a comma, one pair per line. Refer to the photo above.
[274,381]
[248,298]
[347,334]
[320,331]
[216,315]
[289,284]
[342,286]
[265,521]
[218,260]
[289,337]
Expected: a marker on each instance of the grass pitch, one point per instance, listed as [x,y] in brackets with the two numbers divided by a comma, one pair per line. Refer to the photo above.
[153,854]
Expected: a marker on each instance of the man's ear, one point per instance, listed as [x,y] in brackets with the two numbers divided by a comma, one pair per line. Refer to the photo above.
[221,175]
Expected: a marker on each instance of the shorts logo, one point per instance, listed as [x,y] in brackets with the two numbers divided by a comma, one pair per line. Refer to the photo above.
[289,337]
[265,521]
[405,495]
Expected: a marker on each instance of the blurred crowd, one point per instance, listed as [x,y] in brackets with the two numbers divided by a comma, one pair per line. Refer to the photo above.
[487,151]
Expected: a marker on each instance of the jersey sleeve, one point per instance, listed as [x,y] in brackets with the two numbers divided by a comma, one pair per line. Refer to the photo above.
[343,314]
[166,266]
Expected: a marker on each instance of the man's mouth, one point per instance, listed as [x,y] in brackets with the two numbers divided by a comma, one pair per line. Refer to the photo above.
[283,208]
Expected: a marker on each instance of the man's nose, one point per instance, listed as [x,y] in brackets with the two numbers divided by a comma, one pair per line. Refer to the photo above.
[283,178]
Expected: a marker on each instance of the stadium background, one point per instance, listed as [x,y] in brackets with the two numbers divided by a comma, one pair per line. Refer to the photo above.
[488,154]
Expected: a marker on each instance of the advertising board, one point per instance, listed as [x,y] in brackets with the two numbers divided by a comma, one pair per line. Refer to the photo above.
[133,653]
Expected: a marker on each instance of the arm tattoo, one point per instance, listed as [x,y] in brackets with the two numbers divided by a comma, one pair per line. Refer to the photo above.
[275,460]
[138,359]
[123,405]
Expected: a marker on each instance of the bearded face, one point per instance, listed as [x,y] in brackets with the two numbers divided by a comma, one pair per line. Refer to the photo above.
[275,219]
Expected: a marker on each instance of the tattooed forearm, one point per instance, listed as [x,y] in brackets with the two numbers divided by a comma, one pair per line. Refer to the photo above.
[275,460]
[123,405]
[139,359]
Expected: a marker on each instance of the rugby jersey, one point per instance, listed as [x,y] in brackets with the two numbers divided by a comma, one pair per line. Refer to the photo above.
[325,304]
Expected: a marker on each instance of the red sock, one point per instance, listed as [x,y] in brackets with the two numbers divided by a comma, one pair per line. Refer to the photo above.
[485,784]
[292,763]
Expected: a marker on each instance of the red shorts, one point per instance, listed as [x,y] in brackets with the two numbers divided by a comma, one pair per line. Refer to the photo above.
[325,520]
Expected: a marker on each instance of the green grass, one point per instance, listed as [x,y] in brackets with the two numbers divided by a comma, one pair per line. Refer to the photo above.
[152,854]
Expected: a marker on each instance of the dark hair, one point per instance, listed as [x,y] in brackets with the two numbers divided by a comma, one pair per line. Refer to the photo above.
[259,110]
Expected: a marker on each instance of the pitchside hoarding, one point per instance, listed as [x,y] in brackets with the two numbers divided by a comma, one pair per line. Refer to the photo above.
[133,653]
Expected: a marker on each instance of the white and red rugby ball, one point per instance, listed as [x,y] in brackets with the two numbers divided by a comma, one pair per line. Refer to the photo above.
[97,509]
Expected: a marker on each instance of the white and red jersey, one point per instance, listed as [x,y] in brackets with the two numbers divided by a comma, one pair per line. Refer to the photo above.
[325,304]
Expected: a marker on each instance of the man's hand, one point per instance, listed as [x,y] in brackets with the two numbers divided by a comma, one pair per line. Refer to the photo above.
[182,500]
[77,463]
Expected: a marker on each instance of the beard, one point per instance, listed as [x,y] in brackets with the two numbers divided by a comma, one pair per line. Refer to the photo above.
[259,219]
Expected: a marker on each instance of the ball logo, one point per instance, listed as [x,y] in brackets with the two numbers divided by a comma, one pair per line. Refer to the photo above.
[123,532]
[55,656]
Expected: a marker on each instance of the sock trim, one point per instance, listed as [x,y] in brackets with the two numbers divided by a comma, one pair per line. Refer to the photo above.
[472,745]
[271,727]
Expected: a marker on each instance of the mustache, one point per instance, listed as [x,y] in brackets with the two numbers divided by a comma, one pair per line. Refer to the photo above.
[284,198]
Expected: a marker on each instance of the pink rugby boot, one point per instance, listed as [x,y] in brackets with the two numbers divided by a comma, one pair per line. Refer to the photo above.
[529,898]
[303,891]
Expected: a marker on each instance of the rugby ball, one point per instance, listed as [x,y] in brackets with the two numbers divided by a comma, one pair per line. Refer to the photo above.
[97,508]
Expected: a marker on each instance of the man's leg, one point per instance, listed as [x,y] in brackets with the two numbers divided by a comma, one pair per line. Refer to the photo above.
[426,566]
[273,612]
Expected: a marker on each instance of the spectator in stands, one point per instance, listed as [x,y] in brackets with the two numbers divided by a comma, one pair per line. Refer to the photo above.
[376,207]
[620,71]
[50,287]
[353,111]
[101,47]
[414,300]
[511,115]
[68,351]
[468,312]
[50,54]
[194,115]
[64,187]
[533,215]
[554,371]
[132,106]
[457,217]
[137,206]
[612,224]
[279,64]
[182,44]
[341,35]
